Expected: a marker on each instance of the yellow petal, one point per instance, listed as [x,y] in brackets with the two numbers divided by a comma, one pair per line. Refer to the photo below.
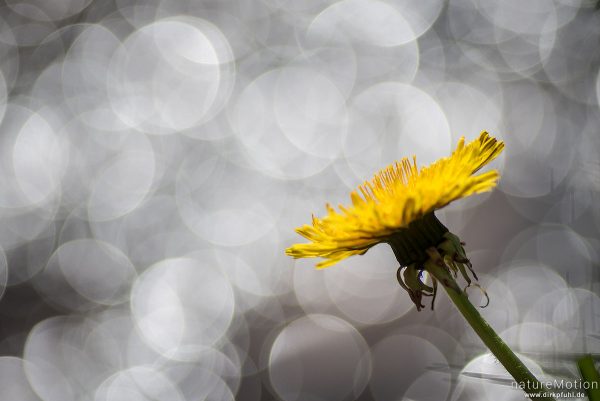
[396,196]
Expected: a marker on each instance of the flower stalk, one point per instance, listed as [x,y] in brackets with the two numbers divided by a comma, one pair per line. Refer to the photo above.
[590,375]
[440,272]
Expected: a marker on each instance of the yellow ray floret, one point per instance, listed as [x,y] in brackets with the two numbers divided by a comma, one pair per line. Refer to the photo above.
[395,197]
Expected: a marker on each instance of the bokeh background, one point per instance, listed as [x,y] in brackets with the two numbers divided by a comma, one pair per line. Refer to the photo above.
[155,157]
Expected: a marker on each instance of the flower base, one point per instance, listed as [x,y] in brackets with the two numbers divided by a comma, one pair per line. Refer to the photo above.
[409,244]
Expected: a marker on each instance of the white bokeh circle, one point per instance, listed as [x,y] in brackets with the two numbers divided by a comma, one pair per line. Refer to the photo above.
[315,351]
[181,305]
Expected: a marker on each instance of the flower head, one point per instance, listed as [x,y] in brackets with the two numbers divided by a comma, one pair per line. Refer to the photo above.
[397,206]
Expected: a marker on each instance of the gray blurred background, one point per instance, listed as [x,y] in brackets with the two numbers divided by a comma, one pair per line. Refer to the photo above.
[155,157]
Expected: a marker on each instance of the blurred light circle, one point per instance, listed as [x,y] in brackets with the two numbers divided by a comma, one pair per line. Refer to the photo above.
[401,121]
[253,120]
[467,23]
[456,97]
[369,22]
[308,6]
[97,158]
[215,129]
[504,311]
[139,14]
[85,273]
[17,29]
[84,76]
[418,121]
[570,73]
[589,305]
[557,246]
[319,357]
[365,290]
[250,288]
[246,26]
[572,312]
[444,340]
[272,266]
[97,270]
[422,15]
[32,155]
[409,367]
[363,137]
[9,62]
[576,201]
[399,64]
[531,18]
[138,384]
[240,273]
[39,159]
[74,227]
[472,383]
[537,337]
[531,131]
[132,350]
[528,280]
[197,383]
[25,225]
[13,381]
[432,60]
[55,352]
[559,307]
[310,111]
[337,63]
[225,365]
[122,185]
[164,244]
[310,288]
[184,68]
[37,251]
[103,345]
[369,61]
[156,214]
[524,54]
[51,10]
[47,76]
[223,204]
[181,305]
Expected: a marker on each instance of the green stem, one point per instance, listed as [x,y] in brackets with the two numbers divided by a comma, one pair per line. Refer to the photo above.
[590,375]
[523,377]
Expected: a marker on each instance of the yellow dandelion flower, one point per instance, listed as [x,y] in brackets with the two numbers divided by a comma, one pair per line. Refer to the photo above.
[397,206]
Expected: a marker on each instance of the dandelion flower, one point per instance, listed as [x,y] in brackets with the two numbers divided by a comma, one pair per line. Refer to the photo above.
[397,207]
[397,201]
